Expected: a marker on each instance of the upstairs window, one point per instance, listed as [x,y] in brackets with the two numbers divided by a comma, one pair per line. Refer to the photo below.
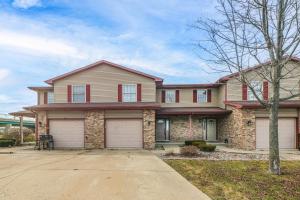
[201,96]
[78,94]
[170,96]
[50,97]
[258,88]
[129,92]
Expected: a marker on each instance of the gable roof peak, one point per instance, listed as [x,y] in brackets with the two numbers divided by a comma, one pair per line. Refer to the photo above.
[87,67]
[235,74]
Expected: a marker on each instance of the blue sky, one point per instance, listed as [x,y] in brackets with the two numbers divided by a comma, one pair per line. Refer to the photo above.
[40,39]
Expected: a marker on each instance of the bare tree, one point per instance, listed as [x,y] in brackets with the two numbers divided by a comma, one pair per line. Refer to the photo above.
[247,33]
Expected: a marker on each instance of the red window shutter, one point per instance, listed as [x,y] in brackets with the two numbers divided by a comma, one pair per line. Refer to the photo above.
[195,96]
[69,93]
[139,92]
[45,97]
[266,90]
[177,96]
[120,93]
[209,95]
[163,96]
[88,93]
[244,91]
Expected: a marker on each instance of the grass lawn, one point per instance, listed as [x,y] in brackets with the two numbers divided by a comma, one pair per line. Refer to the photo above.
[241,179]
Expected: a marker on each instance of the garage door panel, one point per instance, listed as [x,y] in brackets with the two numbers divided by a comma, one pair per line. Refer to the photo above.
[67,133]
[286,133]
[124,133]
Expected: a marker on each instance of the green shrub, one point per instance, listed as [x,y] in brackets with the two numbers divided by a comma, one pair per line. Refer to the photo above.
[194,142]
[207,147]
[189,150]
[7,142]
[29,138]
[13,133]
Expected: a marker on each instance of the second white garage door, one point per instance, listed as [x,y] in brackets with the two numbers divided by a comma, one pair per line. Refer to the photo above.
[286,131]
[67,133]
[124,133]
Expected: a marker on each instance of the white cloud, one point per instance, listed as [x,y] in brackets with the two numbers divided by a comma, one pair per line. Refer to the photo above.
[3,74]
[40,45]
[6,99]
[25,4]
[71,43]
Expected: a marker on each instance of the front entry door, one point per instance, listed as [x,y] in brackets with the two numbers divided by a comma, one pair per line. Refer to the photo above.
[162,130]
[211,134]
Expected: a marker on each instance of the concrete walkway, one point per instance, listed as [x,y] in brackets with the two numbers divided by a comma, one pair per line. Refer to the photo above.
[63,175]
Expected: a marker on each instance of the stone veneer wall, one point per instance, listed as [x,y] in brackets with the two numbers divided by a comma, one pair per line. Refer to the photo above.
[94,130]
[149,128]
[180,125]
[234,128]
[42,122]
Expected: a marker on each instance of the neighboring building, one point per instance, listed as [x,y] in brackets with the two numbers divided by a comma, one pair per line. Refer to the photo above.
[105,105]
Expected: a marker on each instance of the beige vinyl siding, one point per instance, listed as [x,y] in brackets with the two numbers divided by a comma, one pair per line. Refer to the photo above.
[186,99]
[234,87]
[40,97]
[118,114]
[221,96]
[66,114]
[234,90]
[104,81]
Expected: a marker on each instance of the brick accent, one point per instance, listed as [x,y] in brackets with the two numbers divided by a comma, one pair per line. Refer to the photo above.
[236,129]
[94,130]
[149,128]
[179,128]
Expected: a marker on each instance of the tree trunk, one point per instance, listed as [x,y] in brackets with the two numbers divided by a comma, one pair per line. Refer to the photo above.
[274,160]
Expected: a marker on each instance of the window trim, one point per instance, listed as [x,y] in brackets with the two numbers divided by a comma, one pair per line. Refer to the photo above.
[205,98]
[72,92]
[250,94]
[166,96]
[48,97]
[129,84]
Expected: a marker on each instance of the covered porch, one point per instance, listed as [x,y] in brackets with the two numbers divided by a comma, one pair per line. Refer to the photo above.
[176,125]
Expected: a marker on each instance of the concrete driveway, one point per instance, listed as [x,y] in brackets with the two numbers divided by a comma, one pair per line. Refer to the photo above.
[62,175]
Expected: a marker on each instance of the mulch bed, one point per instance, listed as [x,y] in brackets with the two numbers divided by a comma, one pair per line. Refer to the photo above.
[217,156]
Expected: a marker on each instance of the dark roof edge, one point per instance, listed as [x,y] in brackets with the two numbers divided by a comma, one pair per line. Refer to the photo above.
[182,86]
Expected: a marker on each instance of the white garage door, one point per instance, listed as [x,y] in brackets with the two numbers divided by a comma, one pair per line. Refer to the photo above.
[67,133]
[124,133]
[286,131]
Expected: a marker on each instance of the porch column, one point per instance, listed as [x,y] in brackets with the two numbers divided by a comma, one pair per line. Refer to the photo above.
[21,129]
